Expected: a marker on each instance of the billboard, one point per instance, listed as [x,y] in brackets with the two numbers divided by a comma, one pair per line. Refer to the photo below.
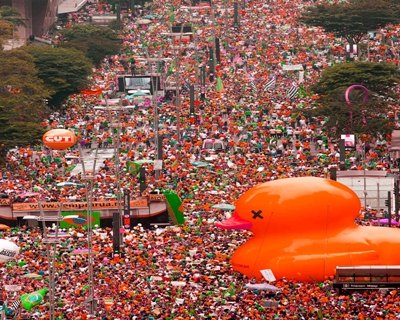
[349,140]
[144,82]
[137,83]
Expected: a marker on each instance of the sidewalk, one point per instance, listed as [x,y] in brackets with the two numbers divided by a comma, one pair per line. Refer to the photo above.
[13,44]
[67,6]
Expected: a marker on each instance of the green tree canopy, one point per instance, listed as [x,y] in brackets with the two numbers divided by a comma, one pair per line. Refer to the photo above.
[11,15]
[64,70]
[6,31]
[9,20]
[22,96]
[379,78]
[353,19]
[94,41]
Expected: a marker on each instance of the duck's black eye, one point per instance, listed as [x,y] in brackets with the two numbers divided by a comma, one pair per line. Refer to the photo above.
[257,214]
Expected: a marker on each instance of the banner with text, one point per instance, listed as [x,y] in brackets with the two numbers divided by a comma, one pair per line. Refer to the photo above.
[76,206]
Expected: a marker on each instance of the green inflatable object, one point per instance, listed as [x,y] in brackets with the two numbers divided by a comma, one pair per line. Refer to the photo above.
[31,300]
[174,207]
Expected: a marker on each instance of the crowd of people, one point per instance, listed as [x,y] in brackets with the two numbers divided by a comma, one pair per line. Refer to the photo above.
[175,273]
[184,272]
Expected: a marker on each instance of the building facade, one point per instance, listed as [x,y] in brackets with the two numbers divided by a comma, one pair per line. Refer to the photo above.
[39,16]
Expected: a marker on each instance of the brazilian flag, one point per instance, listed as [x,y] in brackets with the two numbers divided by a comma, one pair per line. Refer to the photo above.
[133,167]
[80,221]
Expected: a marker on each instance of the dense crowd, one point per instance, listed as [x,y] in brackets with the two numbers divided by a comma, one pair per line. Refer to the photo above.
[184,272]
[264,128]
[176,273]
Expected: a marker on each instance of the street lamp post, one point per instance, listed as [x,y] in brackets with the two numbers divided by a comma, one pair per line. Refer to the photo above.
[117,140]
[88,177]
[116,125]
[51,247]
[154,85]
[364,177]
[236,14]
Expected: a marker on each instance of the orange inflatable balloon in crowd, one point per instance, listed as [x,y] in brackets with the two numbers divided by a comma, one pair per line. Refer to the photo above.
[303,228]
[59,139]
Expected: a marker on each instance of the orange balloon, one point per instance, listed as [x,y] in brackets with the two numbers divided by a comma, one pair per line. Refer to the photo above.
[303,228]
[59,139]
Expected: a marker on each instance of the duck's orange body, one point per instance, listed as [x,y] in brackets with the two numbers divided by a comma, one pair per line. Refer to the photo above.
[304,227]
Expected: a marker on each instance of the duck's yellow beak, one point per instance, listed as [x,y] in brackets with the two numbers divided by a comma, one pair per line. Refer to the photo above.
[234,222]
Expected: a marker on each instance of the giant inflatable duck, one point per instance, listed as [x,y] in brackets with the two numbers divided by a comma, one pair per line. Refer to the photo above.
[303,228]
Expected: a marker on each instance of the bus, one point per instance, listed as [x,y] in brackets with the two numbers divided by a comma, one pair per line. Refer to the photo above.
[367,277]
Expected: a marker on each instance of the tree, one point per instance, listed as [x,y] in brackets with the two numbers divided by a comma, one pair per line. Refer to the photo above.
[353,19]
[11,15]
[64,70]
[379,78]
[6,31]
[22,96]
[94,41]
[17,133]
[9,20]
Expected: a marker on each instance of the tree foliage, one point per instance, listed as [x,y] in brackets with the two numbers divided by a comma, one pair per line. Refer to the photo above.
[9,20]
[6,31]
[94,41]
[11,15]
[22,95]
[64,70]
[353,19]
[379,78]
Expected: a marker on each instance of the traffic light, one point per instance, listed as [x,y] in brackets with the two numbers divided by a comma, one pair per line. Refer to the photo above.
[387,204]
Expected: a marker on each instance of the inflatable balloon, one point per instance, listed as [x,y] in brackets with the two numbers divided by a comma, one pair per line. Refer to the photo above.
[8,250]
[353,87]
[31,300]
[303,228]
[348,102]
[59,139]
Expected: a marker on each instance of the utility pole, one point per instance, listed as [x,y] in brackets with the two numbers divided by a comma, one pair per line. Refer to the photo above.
[89,177]
[191,97]
[217,51]
[211,63]
[236,14]
[127,209]
[396,199]
[202,83]
[342,155]
[388,204]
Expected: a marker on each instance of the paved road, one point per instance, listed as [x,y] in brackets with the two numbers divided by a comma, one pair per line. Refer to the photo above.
[89,159]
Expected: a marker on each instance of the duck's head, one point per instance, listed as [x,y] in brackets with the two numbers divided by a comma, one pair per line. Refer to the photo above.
[294,205]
